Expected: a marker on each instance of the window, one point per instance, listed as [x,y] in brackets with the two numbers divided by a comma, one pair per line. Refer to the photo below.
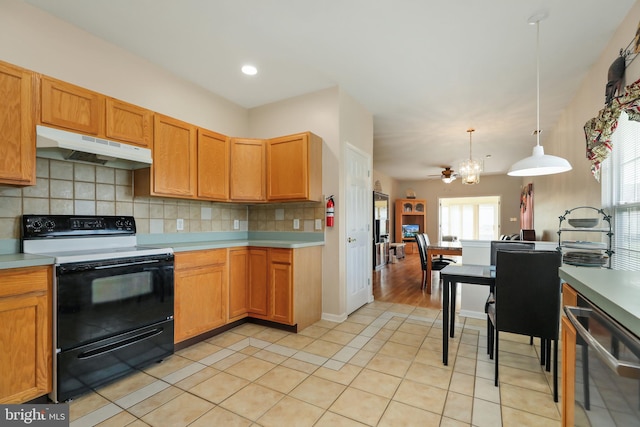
[621,193]
[472,218]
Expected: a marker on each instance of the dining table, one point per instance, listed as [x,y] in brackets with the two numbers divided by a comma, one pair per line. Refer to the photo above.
[484,275]
[442,248]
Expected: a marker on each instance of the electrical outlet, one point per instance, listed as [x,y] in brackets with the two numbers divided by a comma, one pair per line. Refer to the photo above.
[318,224]
[296,224]
[179,224]
[236,224]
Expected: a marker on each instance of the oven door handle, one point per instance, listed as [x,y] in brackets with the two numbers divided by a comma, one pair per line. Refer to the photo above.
[125,264]
[120,344]
[621,368]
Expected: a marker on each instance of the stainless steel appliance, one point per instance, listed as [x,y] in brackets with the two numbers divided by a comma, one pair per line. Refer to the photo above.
[607,369]
[112,301]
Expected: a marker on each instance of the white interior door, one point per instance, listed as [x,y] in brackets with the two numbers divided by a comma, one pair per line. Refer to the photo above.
[358,225]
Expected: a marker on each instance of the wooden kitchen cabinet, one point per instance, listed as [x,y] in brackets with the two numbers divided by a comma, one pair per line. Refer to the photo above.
[213,165]
[294,168]
[258,282]
[71,107]
[201,293]
[74,108]
[173,172]
[248,170]
[286,286]
[128,123]
[281,285]
[17,126]
[26,333]
[238,283]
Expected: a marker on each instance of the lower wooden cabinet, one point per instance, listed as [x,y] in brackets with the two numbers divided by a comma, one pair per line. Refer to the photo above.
[276,284]
[286,285]
[201,294]
[26,332]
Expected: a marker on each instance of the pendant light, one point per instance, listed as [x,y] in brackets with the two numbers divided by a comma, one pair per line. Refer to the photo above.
[470,169]
[538,163]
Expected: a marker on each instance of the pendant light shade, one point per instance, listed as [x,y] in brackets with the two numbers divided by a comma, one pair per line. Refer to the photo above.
[538,163]
[469,170]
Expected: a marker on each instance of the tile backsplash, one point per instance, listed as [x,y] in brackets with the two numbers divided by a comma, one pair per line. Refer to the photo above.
[68,188]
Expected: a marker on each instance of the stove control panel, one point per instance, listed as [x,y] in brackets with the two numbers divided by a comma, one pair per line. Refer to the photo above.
[47,226]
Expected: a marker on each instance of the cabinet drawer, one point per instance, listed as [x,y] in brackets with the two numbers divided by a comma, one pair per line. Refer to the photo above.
[18,281]
[194,259]
[284,256]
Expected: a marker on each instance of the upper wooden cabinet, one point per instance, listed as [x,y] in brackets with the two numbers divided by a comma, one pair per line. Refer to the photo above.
[213,165]
[71,107]
[17,126]
[248,166]
[25,316]
[173,172]
[128,123]
[74,108]
[294,168]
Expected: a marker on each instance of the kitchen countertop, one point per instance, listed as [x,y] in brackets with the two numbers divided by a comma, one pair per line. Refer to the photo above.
[615,292]
[23,260]
[184,242]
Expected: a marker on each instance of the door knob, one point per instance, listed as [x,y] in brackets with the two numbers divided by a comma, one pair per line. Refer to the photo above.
[350,240]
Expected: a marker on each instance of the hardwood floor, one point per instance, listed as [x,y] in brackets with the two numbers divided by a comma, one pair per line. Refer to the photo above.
[400,283]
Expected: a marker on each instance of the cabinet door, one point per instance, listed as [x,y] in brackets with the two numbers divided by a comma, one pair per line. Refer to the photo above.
[128,123]
[71,107]
[213,165]
[258,282]
[17,126]
[25,316]
[200,292]
[248,169]
[294,167]
[174,157]
[568,378]
[288,168]
[238,282]
[281,286]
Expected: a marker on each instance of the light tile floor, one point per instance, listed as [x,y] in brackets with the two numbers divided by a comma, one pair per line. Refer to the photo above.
[381,367]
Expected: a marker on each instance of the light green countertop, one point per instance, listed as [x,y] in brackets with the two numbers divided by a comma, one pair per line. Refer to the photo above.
[23,260]
[615,292]
[218,244]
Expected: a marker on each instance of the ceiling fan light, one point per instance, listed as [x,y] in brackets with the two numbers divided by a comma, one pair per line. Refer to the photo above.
[448,179]
[539,164]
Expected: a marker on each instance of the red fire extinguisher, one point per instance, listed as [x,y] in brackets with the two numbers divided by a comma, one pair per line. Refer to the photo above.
[330,211]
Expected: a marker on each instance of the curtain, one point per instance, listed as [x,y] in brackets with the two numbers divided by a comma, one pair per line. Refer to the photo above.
[526,207]
[599,129]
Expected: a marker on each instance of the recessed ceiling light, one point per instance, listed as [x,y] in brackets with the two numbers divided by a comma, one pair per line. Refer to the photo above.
[249,70]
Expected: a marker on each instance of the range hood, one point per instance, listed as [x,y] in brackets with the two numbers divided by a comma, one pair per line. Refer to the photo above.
[62,145]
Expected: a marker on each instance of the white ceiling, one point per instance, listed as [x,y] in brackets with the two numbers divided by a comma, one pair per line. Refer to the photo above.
[427,70]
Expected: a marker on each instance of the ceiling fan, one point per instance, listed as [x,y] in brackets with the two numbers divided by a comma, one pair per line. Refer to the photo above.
[447,175]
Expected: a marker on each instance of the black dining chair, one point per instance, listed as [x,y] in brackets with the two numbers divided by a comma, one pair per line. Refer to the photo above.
[527,301]
[437,263]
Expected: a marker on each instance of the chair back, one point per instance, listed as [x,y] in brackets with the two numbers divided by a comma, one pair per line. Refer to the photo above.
[512,245]
[422,249]
[527,293]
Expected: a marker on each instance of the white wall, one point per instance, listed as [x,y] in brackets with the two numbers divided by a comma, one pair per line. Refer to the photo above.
[40,42]
[336,118]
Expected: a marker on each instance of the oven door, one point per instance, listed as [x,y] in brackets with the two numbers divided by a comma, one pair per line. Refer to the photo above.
[101,299]
[607,369]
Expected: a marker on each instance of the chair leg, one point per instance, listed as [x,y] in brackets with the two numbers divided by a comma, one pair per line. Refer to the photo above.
[555,370]
[531,340]
[543,350]
[495,356]
[548,367]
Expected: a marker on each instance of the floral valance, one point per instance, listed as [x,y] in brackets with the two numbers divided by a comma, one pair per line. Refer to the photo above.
[598,131]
